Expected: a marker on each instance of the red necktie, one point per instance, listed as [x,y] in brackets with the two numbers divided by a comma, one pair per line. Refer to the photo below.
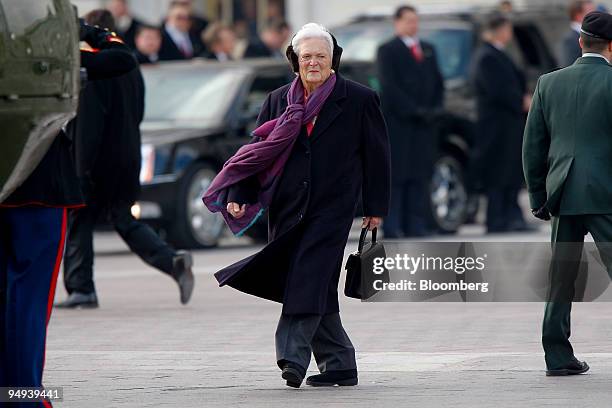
[417,52]
[309,127]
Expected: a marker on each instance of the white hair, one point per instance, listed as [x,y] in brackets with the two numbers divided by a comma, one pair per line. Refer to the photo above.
[312,30]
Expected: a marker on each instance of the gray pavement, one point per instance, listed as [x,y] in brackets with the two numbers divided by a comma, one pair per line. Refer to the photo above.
[143,349]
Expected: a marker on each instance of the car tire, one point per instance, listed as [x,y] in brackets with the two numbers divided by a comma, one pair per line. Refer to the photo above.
[195,226]
[448,195]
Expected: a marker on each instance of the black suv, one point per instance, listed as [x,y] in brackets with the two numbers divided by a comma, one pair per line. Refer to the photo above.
[455,36]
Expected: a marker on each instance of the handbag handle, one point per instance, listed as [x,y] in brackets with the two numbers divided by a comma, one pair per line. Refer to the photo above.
[362,237]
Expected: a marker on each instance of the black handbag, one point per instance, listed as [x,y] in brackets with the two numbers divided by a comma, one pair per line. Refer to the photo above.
[359,267]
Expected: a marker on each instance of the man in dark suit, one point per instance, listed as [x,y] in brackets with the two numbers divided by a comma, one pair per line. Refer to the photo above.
[412,89]
[177,40]
[502,103]
[273,37]
[106,138]
[126,24]
[570,49]
[567,157]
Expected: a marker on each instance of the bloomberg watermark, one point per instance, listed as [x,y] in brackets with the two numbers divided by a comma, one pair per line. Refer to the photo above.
[485,272]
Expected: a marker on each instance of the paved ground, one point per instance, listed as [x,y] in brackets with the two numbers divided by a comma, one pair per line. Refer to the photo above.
[143,349]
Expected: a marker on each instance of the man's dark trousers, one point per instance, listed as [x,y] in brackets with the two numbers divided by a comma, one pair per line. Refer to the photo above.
[297,336]
[31,248]
[408,210]
[141,239]
[568,233]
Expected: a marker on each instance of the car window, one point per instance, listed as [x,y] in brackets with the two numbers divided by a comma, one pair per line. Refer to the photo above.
[453,45]
[262,85]
[453,49]
[194,98]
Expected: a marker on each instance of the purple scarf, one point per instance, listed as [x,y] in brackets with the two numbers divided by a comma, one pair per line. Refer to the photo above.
[266,158]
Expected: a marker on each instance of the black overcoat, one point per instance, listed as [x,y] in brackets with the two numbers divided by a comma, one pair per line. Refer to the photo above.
[410,92]
[499,87]
[106,134]
[315,202]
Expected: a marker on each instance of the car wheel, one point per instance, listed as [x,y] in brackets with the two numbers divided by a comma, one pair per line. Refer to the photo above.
[448,195]
[196,226]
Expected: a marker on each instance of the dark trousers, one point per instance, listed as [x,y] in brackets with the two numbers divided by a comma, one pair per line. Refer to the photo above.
[408,210]
[297,336]
[31,247]
[503,210]
[567,243]
[140,238]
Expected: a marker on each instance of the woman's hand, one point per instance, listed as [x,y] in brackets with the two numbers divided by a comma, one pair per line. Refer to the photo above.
[371,222]
[235,210]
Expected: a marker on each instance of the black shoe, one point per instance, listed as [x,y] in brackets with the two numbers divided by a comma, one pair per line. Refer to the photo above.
[574,368]
[79,300]
[183,275]
[293,374]
[331,378]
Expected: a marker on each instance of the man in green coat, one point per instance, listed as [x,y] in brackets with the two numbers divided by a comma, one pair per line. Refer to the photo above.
[567,160]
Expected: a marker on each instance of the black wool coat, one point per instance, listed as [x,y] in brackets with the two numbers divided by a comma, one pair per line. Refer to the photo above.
[410,92]
[347,154]
[499,87]
[106,135]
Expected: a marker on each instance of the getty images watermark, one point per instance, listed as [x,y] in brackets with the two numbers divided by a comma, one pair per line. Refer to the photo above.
[486,272]
[414,265]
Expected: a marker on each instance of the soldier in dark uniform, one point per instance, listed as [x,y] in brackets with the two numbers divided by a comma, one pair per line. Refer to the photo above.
[412,89]
[502,103]
[33,220]
[106,138]
[567,157]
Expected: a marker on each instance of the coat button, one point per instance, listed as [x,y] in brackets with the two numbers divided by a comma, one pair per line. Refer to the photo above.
[301,216]
[305,184]
[307,153]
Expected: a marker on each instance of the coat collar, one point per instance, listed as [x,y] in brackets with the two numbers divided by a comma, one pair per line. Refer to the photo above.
[591,60]
[330,110]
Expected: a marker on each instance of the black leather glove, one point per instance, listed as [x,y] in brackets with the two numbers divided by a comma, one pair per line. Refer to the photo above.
[96,36]
[541,213]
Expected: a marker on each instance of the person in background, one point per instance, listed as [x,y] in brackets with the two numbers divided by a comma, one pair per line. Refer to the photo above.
[126,24]
[272,39]
[506,6]
[502,103]
[177,42]
[148,44]
[412,90]
[198,25]
[220,42]
[570,49]
[106,139]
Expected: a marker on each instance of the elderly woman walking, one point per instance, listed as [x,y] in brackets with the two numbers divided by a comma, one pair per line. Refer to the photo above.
[321,141]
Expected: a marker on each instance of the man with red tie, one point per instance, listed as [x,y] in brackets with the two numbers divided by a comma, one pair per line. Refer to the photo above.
[412,90]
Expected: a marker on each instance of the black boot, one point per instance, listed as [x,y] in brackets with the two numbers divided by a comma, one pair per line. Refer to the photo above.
[183,274]
[294,374]
[77,300]
[331,378]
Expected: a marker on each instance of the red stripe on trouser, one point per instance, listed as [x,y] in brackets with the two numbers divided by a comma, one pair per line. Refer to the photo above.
[56,268]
